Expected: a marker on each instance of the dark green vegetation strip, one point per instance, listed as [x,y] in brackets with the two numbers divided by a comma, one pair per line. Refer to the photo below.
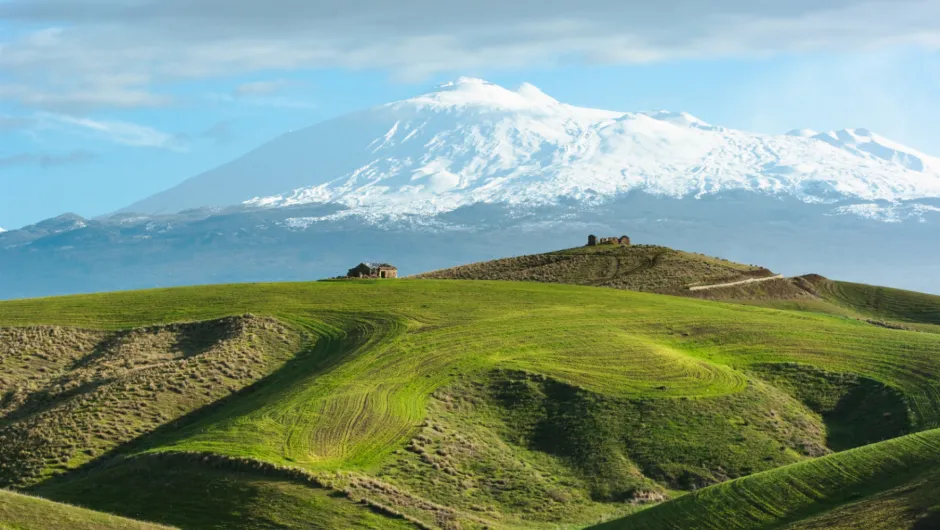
[21,512]
[797,491]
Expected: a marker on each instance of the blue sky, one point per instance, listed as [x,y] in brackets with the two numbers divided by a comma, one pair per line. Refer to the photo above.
[105,102]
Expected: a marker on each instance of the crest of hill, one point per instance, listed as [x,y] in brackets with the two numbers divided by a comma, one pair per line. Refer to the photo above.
[647,268]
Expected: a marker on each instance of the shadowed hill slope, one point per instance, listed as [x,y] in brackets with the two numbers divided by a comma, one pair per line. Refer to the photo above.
[853,484]
[440,404]
[22,512]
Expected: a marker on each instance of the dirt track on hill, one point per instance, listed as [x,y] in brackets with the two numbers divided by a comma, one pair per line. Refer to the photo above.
[732,284]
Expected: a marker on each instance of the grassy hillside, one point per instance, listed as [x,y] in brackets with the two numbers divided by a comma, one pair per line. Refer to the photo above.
[645,268]
[882,306]
[21,512]
[855,486]
[437,403]
[656,269]
[68,395]
[880,302]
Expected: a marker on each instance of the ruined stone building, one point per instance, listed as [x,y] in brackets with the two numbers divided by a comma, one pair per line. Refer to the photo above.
[594,241]
[373,270]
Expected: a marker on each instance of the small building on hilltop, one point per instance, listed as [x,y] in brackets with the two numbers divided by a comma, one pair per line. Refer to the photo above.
[622,240]
[373,270]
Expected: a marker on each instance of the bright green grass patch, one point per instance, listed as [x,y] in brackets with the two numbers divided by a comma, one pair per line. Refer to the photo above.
[22,512]
[796,492]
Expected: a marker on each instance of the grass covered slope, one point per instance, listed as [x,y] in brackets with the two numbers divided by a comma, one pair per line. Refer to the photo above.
[436,399]
[880,302]
[68,395]
[191,491]
[22,512]
[646,268]
[804,491]
[882,306]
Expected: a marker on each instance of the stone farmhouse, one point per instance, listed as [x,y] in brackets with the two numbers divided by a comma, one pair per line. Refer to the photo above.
[373,270]
[594,241]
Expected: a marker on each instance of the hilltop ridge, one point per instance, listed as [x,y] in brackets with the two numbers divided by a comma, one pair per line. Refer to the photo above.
[646,268]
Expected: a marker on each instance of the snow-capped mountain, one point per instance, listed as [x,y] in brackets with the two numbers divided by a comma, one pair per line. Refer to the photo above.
[471,142]
[473,171]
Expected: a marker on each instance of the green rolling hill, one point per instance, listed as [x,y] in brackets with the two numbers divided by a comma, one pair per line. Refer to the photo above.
[426,403]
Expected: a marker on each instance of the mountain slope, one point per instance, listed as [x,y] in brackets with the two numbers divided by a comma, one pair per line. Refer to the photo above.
[473,142]
[442,401]
[863,141]
[21,512]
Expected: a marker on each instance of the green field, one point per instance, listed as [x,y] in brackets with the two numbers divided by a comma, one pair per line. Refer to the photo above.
[437,403]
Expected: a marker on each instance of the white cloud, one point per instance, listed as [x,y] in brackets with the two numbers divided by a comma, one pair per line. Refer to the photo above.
[115,131]
[113,52]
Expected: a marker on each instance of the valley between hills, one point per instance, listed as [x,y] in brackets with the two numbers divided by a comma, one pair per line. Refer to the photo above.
[589,387]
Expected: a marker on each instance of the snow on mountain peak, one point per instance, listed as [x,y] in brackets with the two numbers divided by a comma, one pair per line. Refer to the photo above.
[2,230]
[866,143]
[803,133]
[473,92]
[471,141]
[533,93]
[682,119]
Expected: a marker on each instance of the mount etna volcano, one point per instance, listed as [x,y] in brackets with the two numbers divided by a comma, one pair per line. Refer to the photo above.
[473,171]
